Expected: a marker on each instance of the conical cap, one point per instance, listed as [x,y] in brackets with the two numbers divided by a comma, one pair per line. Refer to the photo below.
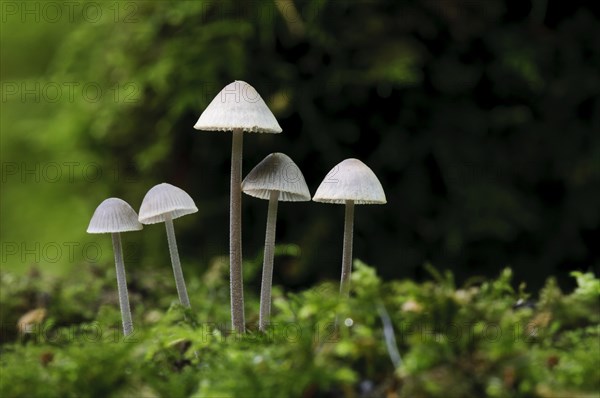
[114,215]
[238,106]
[164,200]
[276,172]
[350,180]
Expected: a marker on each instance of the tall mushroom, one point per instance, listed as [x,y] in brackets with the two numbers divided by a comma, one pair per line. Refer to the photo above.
[350,182]
[114,216]
[164,203]
[237,108]
[276,178]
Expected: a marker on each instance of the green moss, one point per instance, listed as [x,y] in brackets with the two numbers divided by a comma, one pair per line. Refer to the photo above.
[467,341]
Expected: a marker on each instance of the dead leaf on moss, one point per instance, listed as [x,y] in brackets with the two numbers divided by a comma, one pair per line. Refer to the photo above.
[412,306]
[30,319]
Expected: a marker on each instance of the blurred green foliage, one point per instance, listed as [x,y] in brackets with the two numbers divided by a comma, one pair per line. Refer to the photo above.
[480,118]
[478,339]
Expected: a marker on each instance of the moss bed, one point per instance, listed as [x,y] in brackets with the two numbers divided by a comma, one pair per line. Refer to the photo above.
[393,338]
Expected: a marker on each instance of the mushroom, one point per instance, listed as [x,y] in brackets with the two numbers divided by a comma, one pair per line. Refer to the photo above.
[114,216]
[275,178]
[237,108]
[350,182]
[164,203]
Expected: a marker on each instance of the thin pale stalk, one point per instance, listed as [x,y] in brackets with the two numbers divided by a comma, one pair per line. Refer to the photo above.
[347,254]
[390,336]
[267,275]
[122,285]
[177,271]
[235,234]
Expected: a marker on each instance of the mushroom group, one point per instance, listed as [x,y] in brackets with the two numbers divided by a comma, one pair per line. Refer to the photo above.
[239,109]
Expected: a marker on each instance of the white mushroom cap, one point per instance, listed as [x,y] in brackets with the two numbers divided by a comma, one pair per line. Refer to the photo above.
[238,106]
[114,215]
[162,200]
[276,172]
[350,180]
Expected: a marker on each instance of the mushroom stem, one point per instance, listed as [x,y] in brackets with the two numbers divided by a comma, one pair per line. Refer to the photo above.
[177,271]
[267,276]
[122,285]
[347,255]
[235,234]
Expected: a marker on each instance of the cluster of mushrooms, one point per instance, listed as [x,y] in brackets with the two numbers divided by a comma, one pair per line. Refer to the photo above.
[238,108]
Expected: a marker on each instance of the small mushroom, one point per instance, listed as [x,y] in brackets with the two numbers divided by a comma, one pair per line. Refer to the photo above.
[164,203]
[237,108]
[114,216]
[275,178]
[350,182]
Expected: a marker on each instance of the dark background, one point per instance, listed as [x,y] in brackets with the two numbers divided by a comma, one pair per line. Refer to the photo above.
[481,119]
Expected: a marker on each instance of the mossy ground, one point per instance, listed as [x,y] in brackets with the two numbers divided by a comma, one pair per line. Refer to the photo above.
[480,339]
